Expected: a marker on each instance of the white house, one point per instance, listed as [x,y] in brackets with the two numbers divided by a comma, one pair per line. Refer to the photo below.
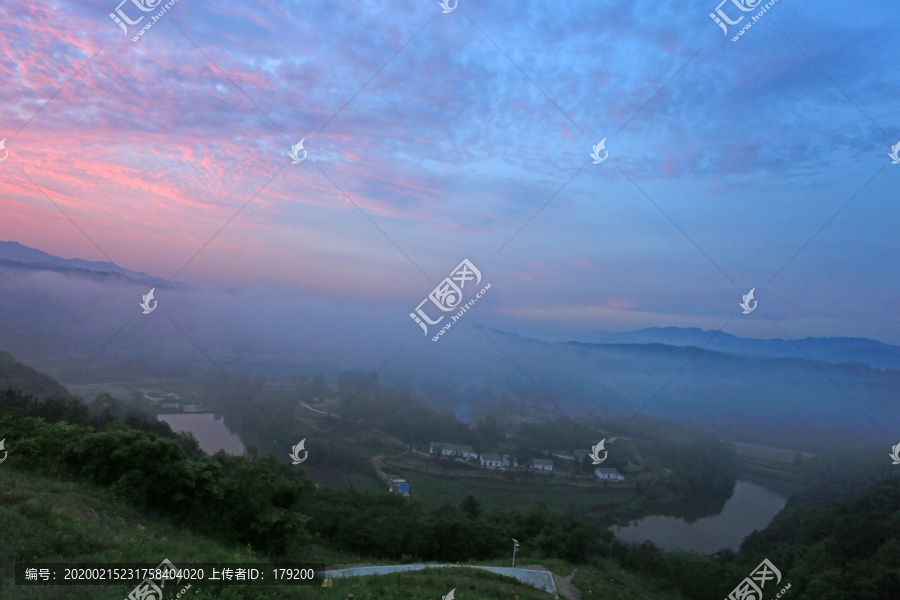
[494,460]
[609,474]
[542,464]
[453,450]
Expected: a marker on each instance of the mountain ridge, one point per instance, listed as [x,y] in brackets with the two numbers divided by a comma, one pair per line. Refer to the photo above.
[16,255]
[837,350]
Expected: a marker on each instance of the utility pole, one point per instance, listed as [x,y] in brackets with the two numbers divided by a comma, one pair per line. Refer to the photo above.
[515,546]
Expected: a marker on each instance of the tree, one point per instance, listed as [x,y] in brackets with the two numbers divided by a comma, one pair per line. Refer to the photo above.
[488,432]
[471,506]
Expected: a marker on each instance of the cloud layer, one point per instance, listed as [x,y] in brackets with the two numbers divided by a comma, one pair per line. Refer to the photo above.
[433,137]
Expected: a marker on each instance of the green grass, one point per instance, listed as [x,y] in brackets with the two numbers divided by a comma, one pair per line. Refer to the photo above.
[47,520]
[364,483]
[608,581]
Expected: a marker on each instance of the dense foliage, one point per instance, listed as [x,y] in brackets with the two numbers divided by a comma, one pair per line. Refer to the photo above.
[236,499]
[836,551]
[838,539]
[387,527]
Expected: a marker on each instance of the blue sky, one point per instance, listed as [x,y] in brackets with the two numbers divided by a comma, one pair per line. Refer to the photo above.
[435,137]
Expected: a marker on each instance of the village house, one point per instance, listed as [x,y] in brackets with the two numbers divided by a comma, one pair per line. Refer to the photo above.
[453,450]
[400,486]
[542,464]
[605,473]
[494,461]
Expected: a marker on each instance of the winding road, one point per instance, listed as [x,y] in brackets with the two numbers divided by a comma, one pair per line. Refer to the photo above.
[542,580]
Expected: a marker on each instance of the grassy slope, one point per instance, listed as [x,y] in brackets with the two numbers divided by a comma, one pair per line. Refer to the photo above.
[53,521]
[435,490]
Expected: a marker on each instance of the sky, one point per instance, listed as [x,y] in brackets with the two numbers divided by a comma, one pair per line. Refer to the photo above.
[433,137]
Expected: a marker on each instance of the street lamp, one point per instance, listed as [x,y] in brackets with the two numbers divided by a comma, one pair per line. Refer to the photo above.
[515,546]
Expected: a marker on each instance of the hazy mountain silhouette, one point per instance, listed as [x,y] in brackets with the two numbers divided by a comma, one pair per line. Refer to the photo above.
[15,255]
[781,400]
[72,317]
[833,350]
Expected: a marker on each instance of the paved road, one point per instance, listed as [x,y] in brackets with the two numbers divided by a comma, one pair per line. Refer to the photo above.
[543,580]
[321,412]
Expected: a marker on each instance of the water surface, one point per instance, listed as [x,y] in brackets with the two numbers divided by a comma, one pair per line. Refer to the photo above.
[751,507]
[210,431]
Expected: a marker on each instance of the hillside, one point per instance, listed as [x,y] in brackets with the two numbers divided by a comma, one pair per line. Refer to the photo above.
[45,519]
[17,376]
[102,483]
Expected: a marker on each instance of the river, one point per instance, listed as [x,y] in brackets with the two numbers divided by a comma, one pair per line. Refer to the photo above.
[750,507]
[210,431]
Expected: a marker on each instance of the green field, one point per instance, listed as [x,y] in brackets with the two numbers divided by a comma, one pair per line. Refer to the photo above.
[364,483]
[434,491]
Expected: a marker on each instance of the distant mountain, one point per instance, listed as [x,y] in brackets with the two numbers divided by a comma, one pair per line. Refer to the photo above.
[833,350]
[15,255]
[782,401]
